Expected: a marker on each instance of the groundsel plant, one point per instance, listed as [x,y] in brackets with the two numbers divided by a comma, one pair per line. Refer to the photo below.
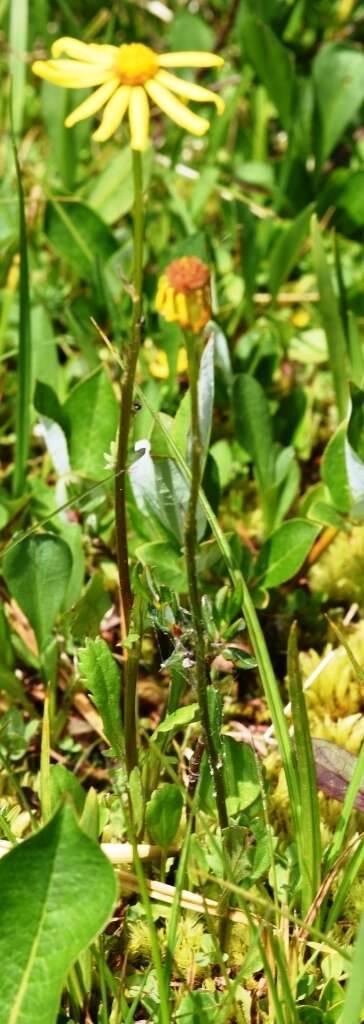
[128,78]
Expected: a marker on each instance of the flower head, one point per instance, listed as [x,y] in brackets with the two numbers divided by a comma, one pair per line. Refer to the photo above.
[183,294]
[128,77]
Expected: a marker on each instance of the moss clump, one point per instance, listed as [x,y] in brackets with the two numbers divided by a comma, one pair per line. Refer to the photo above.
[237,944]
[188,956]
[336,692]
[339,574]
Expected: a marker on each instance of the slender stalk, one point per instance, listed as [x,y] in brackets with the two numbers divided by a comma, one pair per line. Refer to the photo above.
[126,402]
[190,536]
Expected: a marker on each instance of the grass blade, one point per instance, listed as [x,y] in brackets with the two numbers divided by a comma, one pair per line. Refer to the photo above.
[350,874]
[25,349]
[308,823]
[354,999]
[350,797]
[331,322]
[18,42]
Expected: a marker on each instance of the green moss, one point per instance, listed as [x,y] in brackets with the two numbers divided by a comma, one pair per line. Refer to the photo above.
[339,574]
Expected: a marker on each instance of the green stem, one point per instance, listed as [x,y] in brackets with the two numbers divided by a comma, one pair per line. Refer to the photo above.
[190,536]
[126,404]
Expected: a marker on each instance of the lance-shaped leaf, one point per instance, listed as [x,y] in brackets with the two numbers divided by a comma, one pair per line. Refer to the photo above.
[57,893]
[102,677]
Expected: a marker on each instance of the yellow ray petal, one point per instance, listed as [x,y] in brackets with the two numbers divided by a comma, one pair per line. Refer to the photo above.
[190,59]
[113,114]
[138,118]
[71,74]
[182,308]
[175,109]
[190,90]
[92,104]
[89,52]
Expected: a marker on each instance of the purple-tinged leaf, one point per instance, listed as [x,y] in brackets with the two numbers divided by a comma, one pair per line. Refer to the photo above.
[334,770]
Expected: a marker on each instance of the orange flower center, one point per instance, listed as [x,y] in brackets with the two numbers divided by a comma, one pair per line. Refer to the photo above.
[187,274]
[135,64]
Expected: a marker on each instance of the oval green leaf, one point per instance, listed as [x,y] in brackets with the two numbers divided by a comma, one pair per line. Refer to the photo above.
[37,572]
[163,814]
[58,891]
[285,551]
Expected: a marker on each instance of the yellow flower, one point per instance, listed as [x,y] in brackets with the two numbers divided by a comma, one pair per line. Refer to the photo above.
[159,366]
[128,77]
[183,294]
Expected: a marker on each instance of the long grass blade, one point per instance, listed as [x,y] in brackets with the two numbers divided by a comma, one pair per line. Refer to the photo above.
[350,797]
[331,322]
[18,41]
[350,873]
[25,349]
[308,823]
[354,998]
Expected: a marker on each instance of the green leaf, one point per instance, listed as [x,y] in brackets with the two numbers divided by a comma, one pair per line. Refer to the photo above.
[272,62]
[179,719]
[333,470]
[167,568]
[37,572]
[338,74]
[79,235]
[163,814]
[254,427]
[287,248]
[45,366]
[102,677]
[58,891]
[63,782]
[242,659]
[112,193]
[161,493]
[188,31]
[65,145]
[181,426]
[331,1000]
[241,775]
[197,1007]
[343,473]
[283,554]
[72,533]
[355,431]
[309,347]
[92,411]
[90,816]
[47,403]
[86,615]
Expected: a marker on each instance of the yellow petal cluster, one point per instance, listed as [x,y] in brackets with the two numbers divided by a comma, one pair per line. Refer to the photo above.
[129,78]
[183,294]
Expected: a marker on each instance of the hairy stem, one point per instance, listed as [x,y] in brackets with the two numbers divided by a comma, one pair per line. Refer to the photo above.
[126,404]
[190,536]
